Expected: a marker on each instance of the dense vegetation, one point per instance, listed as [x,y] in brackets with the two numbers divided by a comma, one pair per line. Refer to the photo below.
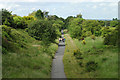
[90,60]
[29,44]
[80,28]
[91,47]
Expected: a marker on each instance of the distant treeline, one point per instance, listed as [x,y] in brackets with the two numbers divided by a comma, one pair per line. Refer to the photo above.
[46,28]
[80,28]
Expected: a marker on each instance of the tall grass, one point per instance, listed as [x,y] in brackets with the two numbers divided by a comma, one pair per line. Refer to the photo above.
[105,57]
[30,62]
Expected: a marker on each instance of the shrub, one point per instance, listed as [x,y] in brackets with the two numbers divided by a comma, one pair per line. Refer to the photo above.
[78,54]
[88,33]
[83,42]
[81,38]
[7,18]
[91,66]
[4,51]
[111,39]
[81,64]
[12,40]
[104,59]
[44,31]
[93,37]
[19,22]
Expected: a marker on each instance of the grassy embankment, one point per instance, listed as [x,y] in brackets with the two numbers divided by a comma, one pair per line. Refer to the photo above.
[105,58]
[31,60]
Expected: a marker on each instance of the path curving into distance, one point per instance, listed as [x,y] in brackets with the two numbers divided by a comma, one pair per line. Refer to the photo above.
[57,65]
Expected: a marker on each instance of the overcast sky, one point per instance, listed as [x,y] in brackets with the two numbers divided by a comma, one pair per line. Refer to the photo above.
[90,9]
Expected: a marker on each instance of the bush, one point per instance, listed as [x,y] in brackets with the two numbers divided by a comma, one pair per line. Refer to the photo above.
[81,64]
[91,66]
[111,39]
[12,40]
[43,30]
[114,23]
[83,42]
[81,38]
[87,33]
[7,18]
[104,59]
[78,54]
[19,22]
[93,37]
[4,51]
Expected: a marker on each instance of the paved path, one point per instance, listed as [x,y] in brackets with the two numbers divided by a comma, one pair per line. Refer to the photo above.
[57,65]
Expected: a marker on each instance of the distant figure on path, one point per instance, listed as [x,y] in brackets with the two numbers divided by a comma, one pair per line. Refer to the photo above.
[62,31]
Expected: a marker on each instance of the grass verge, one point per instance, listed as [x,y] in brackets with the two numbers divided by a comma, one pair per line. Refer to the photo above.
[95,60]
[29,62]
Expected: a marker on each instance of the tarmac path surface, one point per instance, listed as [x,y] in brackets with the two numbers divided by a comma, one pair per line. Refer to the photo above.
[57,65]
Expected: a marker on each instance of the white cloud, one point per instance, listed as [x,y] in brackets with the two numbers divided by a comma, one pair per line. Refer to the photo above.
[102,4]
[8,6]
[17,5]
[94,7]
[33,8]
[113,4]
[59,1]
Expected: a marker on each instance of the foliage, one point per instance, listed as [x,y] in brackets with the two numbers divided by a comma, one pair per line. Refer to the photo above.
[32,14]
[39,14]
[93,37]
[91,66]
[75,28]
[78,54]
[83,41]
[67,21]
[112,38]
[29,19]
[13,40]
[23,62]
[60,24]
[79,15]
[44,31]
[102,23]
[91,25]
[7,18]
[53,17]
[19,22]
[114,23]
[106,30]
[96,61]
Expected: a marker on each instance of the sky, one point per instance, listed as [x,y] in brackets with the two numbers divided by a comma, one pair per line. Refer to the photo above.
[90,9]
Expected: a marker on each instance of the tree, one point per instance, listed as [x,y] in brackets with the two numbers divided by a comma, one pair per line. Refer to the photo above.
[60,23]
[39,14]
[45,14]
[19,22]
[67,21]
[79,15]
[43,30]
[75,27]
[28,19]
[102,23]
[7,18]
[32,14]
[53,17]
[114,23]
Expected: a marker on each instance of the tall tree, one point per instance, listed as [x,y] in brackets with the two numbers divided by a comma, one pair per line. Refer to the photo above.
[7,18]
[79,15]
[39,14]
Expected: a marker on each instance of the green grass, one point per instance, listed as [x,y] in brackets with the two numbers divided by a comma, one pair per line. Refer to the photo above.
[105,57]
[29,62]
